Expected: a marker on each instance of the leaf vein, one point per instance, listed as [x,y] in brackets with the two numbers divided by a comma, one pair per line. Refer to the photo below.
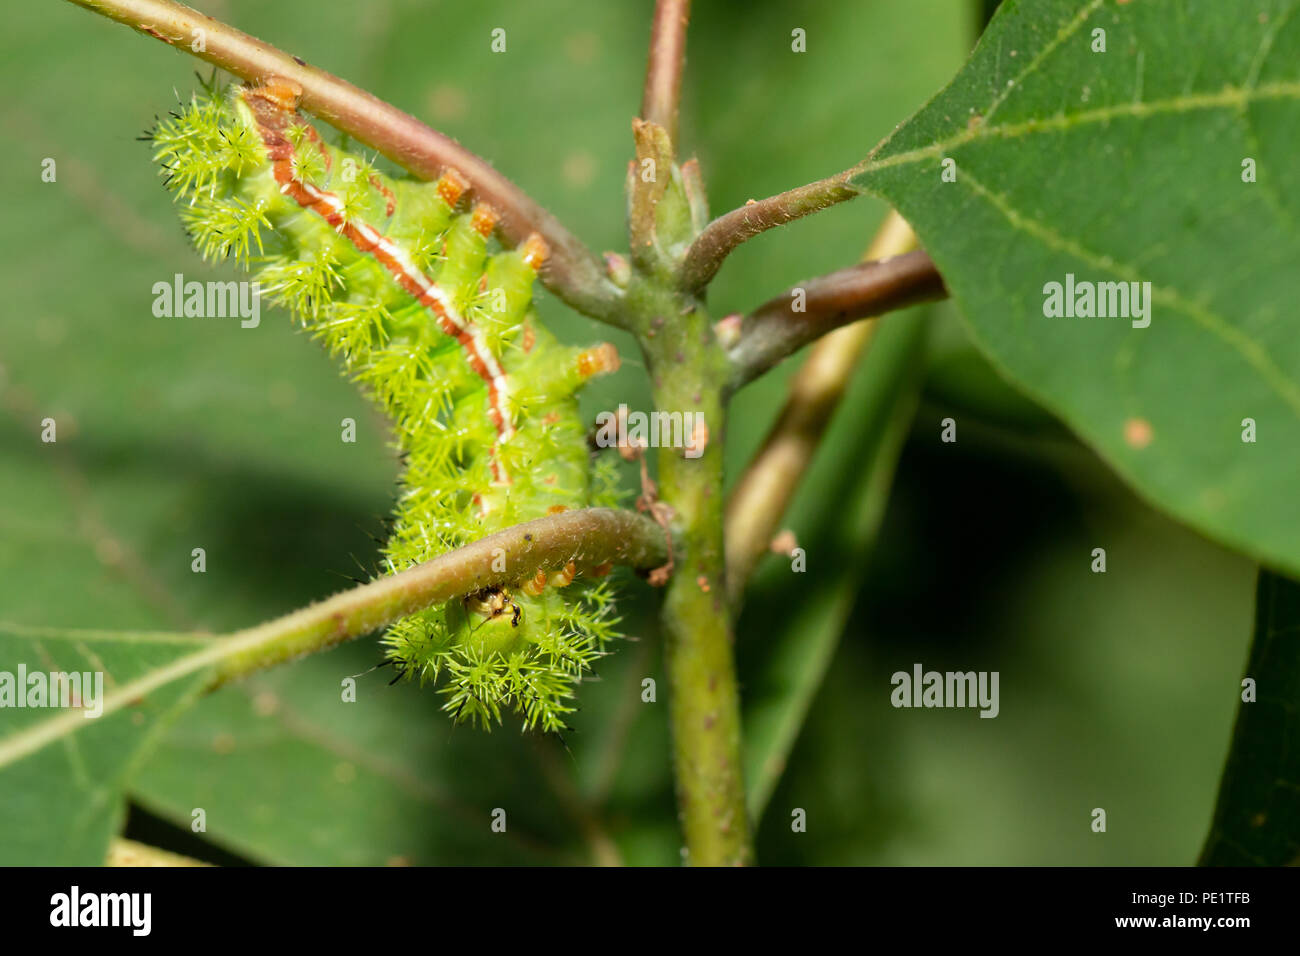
[1230,97]
[1063,34]
[1250,350]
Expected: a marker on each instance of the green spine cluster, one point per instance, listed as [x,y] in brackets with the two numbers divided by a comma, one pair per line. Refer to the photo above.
[505,650]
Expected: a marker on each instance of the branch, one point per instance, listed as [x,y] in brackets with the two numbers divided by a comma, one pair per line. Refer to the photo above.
[122,852]
[764,491]
[572,272]
[688,371]
[705,256]
[776,330]
[589,538]
[663,75]
[652,143]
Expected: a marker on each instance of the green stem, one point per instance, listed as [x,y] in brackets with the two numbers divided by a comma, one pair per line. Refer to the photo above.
[688,371]
[704,704]
[589,538]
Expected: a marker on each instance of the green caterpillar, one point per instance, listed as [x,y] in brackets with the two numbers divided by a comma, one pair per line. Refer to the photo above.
[441,330]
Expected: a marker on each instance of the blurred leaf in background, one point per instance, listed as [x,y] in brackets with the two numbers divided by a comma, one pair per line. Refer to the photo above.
[1257,820]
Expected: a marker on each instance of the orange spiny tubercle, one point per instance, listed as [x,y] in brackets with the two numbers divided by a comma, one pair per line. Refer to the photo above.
[535,251]
[484,219]
[599,360]
[451,186]
[536,584]
[281,93]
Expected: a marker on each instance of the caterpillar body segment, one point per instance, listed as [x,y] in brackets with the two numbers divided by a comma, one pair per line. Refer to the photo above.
[404,282]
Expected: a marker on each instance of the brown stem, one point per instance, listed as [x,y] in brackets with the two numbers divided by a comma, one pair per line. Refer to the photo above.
[705,256]
[572,272]
[776,329]
[766,487]
[663,75]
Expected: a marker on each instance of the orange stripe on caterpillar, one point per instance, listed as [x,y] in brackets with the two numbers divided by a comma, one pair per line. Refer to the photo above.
[390,201]
[320,145]
[272,105]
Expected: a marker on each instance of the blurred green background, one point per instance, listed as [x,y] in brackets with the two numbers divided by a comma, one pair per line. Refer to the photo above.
[1117,690]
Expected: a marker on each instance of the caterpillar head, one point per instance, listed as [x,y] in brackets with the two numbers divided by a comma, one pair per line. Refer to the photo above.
[487,621]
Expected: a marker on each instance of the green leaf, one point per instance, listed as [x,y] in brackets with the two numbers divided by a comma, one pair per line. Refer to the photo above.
[1257,820]
[289,772]
[1127,166]
[171,435]
[63,772]
[960,375]
[841,509]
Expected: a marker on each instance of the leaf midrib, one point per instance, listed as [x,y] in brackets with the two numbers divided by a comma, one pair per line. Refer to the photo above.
[1235,97]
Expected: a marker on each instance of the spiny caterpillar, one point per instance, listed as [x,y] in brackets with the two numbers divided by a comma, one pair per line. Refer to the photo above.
[398,279]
